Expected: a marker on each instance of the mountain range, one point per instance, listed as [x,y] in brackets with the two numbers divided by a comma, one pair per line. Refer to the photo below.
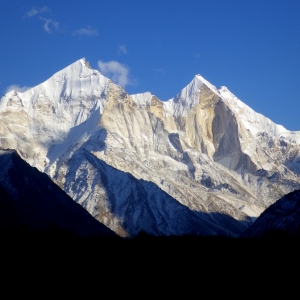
[201,163]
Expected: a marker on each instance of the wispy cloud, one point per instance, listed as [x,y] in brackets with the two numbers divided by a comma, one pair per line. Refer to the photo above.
[89,31]
[122,49]
[160,70]
[17,88]
[49,23]
[35,11]
[116,71]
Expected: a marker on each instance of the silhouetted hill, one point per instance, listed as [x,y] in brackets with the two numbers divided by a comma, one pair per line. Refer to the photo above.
[29,197]
[281,218]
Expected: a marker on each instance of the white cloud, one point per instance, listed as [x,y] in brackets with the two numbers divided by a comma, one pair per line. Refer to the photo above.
[35,11]
[89,31]
[49,22]
[117,72]
[160,70]
[32,12]
[122,49]
[17,88]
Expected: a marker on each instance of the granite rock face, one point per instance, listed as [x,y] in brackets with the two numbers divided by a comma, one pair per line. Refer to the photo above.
[204,149]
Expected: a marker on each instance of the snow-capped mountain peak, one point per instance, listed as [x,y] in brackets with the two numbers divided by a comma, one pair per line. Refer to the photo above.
[75,81]
[188,97]
[253,121]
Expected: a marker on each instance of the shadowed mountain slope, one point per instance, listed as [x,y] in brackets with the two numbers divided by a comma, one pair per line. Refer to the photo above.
[141,206]
[282,216]
[29,197]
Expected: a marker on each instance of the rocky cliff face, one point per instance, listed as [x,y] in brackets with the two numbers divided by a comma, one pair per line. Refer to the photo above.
[203,149]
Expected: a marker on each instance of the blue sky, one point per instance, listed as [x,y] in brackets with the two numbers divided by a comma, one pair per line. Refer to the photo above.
[252,47]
